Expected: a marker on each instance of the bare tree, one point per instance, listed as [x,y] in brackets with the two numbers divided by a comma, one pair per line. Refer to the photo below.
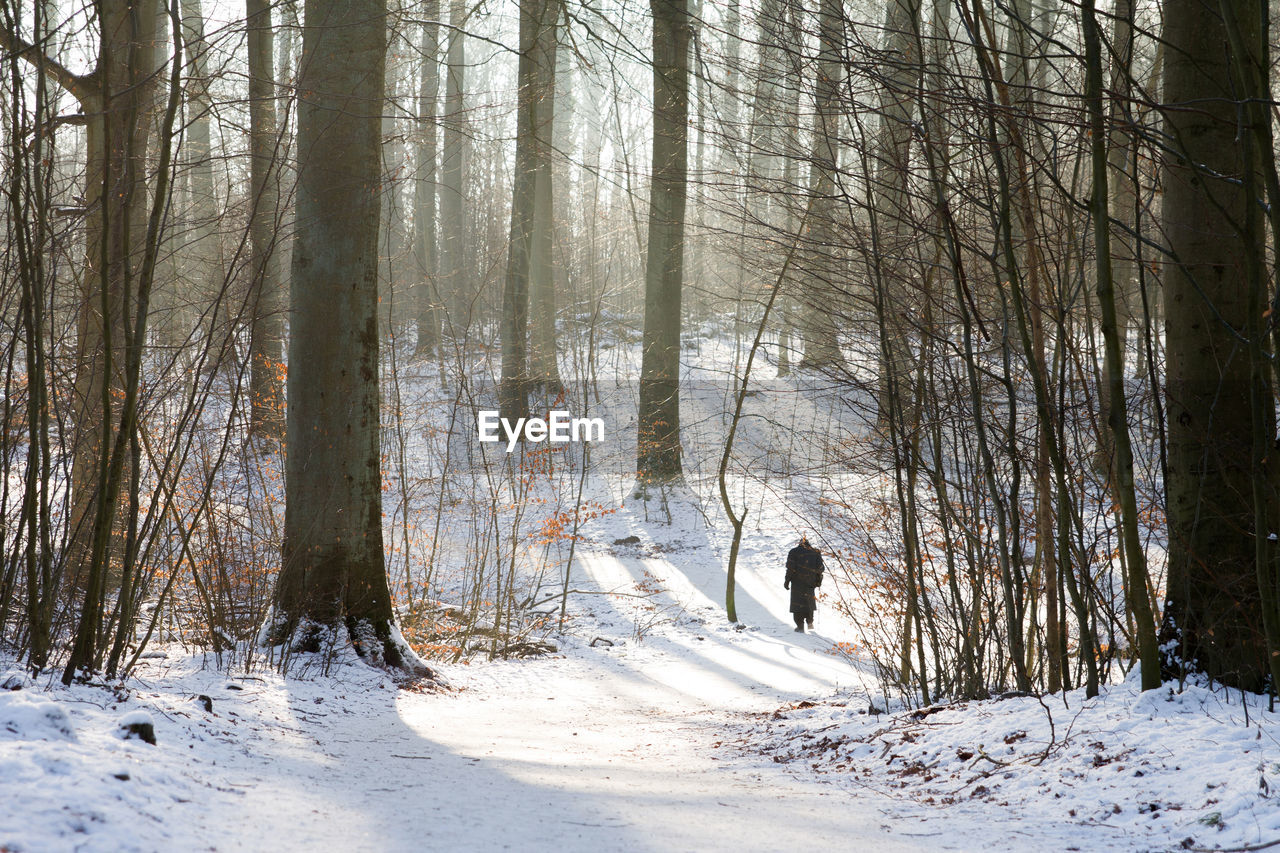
[266,333]
[1214,390]
[453,247]
[424,188]
[332,573]
[526,251]
[658,440]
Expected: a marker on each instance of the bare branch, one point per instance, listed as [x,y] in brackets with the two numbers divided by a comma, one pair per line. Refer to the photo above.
[82,86]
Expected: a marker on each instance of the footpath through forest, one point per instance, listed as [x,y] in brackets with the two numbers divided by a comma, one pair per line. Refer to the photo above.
[655,726]
[611,746]
[629,738]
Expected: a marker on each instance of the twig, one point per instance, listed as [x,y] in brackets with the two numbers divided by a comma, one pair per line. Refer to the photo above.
[1246,849]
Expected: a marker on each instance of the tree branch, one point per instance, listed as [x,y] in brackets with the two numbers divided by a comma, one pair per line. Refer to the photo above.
[82,86]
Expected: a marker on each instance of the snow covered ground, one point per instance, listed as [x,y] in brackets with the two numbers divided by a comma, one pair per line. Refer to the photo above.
[1162,770]
[604,747]
[656,726]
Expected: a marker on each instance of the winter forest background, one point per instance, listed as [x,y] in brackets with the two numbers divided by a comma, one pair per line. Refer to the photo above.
[979,295]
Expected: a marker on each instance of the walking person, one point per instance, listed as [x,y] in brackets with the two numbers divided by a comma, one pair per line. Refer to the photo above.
[804,575]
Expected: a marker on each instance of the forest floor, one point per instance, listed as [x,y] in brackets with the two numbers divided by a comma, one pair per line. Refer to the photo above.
[656,725]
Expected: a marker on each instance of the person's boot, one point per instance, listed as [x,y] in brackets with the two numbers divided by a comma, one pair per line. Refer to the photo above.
[810,623]
[799,629]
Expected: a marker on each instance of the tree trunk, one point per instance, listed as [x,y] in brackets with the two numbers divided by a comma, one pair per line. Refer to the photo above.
[1136,559]
[1212,608]
[204,271]
[1123,267]
[424,189]
[112,328]
[544,373]
[903,69]
[792,158]
[453,276]
[819,309]
[533,126]
[116,183]
[332,572]
[658,436]
[116,99]
[266,344]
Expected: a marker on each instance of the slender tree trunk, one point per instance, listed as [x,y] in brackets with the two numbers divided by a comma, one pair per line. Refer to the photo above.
[543,370]
[792,158]
[424,190]
[762,142]
[568,134]
[393,240]
[903,70]
[820,302]
[453,248]
[266,345]
[533,126]
[205,269]
[1135,556]
[1119,157]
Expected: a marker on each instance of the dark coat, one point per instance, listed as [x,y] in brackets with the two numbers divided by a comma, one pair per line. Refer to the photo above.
[804,575]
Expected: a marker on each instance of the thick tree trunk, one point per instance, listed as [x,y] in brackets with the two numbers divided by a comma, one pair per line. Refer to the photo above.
[332,571]
[116,189]
[115,290]
[116,99]
[658,437]
[1212,609]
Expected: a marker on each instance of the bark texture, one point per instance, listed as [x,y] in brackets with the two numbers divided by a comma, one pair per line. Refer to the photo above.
[424,190]
[528,257]
[818,319]
[453,249]
[1213,611]
[333,572]
[658,440]
[266,343]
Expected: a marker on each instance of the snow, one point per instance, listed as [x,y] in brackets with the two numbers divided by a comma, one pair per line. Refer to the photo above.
[35,719]
[679,732]
[655,724]
[1158,770]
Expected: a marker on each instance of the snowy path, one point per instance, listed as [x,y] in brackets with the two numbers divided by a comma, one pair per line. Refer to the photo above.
[603,763]
[602,748]
[606,749]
